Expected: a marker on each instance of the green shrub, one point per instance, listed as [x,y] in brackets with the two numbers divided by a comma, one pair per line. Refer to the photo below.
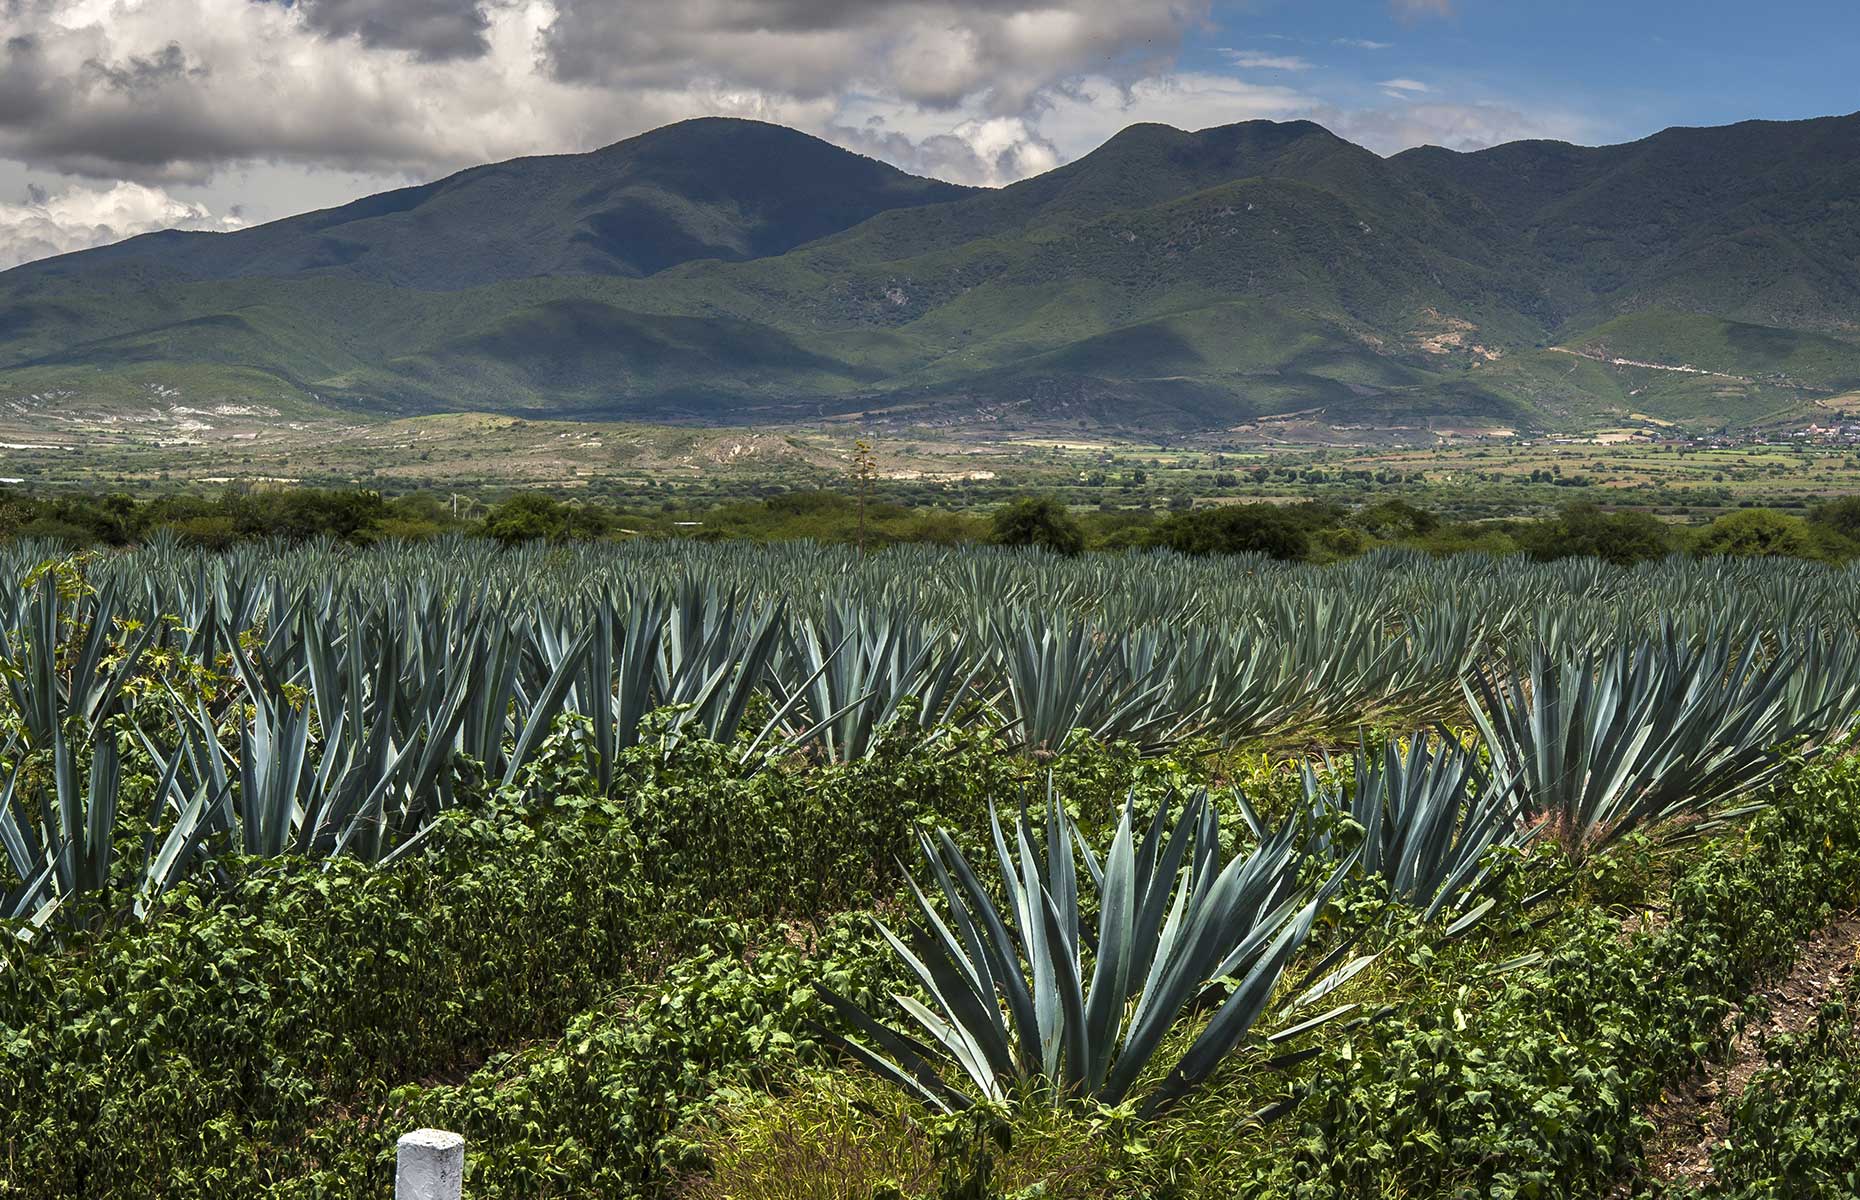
[1795,1130]
[1038,521]
[1238,529]
[248,1035]
[1585,530]
[1840,516]
[1541,1093]
[1756,533]
[602,1110]
[177,1057]
[537,517]
[1394,520]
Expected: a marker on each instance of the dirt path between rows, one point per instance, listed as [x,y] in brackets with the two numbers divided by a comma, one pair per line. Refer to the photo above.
[1693,1117]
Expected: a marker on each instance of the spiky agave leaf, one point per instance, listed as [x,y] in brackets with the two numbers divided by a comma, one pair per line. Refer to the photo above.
[1029,996]
[1430,815]
[1604,743]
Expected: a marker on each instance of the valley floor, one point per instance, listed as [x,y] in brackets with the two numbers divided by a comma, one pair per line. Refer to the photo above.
[478,456]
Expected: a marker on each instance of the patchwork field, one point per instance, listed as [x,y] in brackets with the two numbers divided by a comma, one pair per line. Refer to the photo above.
[165,446]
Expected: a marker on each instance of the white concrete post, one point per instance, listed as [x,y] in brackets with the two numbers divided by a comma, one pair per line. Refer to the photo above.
[429,1164]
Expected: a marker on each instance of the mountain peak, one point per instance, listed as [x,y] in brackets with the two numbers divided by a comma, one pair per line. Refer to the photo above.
[1148,163]
[1169,279]
[1241,143]
[694,132]
[712,187]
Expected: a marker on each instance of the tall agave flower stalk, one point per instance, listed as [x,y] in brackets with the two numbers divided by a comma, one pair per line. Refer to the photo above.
[1024,996]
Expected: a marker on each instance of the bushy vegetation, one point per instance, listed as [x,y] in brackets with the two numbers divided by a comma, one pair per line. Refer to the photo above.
[577,849]
[1585,531]
[1281,533]
[1038,521]
[1795,1129]
[545,900]
[1538,1087]
[1311,531]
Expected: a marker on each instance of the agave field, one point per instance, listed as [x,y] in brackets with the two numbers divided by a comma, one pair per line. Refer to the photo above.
[722,870]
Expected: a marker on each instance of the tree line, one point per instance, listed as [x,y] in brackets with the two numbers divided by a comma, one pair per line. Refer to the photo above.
[1311,531]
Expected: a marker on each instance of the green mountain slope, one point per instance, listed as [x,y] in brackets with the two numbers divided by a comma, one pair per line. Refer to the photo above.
[1758,222]
[710,188]
[731,271]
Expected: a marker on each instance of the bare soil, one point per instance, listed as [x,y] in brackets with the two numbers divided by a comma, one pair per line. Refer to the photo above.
[1693,1116]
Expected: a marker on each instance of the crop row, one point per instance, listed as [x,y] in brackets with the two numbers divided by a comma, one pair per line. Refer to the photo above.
[324,703]
[562,759]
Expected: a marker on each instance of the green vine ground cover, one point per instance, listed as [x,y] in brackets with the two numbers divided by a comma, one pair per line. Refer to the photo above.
[514,982]
[239,1038]
[1526,1083]
[1795,1130]
[596,934]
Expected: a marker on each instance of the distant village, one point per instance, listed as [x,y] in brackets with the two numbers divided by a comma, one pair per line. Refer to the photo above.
[1838,434]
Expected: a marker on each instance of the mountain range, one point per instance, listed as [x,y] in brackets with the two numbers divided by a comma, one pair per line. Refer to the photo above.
[736,272]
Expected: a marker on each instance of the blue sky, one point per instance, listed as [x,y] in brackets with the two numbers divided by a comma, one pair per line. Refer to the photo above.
[1622,69]
[120,116]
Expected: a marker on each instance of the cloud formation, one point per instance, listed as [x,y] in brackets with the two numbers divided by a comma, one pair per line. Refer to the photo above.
[1252,60]
[171,90]
[434,30]
[183,96]
[79,218]
[997,54]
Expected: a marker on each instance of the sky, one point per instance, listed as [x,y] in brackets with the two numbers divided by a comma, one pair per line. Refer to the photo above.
[122,116]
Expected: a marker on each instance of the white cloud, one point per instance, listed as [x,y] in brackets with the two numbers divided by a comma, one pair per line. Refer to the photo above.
[1070,120]
[1081,117]
[1251,60]
[176,90]
[1454,126]
[290,106]
[81,217]
[1007,148]
[1363,44]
